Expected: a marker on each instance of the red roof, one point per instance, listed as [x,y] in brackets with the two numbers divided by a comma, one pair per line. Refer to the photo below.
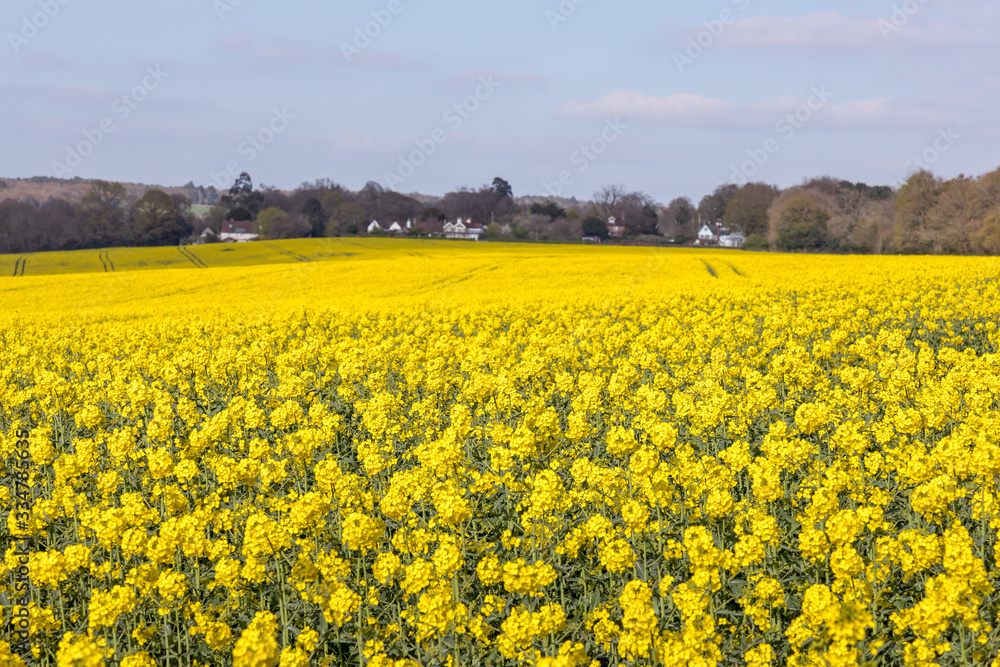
[430,226]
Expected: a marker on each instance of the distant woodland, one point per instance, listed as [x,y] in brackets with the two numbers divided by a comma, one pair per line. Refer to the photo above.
[926,215]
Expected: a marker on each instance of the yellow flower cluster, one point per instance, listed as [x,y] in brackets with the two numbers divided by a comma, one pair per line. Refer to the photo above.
[556,457]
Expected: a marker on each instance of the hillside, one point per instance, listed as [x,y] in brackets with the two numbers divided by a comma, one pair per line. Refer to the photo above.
[41,188]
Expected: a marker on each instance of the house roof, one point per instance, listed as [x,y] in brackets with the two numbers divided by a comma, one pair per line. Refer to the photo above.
[430,226]
[239,227]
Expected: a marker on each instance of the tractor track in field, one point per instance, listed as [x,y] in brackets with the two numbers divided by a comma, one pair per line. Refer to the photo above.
[288,253]
[19,265]
[710,269]
[192,257]
[105,257]
[735,270]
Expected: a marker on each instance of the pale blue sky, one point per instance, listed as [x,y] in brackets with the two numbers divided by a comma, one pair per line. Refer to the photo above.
[886,81]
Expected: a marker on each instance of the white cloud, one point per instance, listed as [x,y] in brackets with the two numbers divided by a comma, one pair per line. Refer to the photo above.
[694,110]
[831,30]
[681,109]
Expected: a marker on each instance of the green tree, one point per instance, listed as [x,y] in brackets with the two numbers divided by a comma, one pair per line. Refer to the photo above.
[17,222]
[216,216]
[801,223]
[594,226]
[104,214]
[159,219]
[494,232]
[264,219]
[502,188]
[332,200]
[483,205]
[756,243]
[747,209]
[371,197]
[680,214]
[347,218]
[273,223]
[433,213]
[649,221]
[553,210]
[312,209]
[242,202]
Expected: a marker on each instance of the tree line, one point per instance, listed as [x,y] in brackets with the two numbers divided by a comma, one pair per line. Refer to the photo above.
[925,215]
[106,216]
[325,208]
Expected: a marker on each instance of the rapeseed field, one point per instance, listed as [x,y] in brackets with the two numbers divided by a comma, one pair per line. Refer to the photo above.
[446,454]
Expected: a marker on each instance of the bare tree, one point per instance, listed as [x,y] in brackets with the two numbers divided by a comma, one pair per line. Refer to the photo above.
[607,198]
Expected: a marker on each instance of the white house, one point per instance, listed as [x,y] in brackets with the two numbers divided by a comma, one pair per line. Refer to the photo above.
[241,231]
[374,227]
[463,230]
[707,235]
[615,230]
[732,239]
[208,236]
